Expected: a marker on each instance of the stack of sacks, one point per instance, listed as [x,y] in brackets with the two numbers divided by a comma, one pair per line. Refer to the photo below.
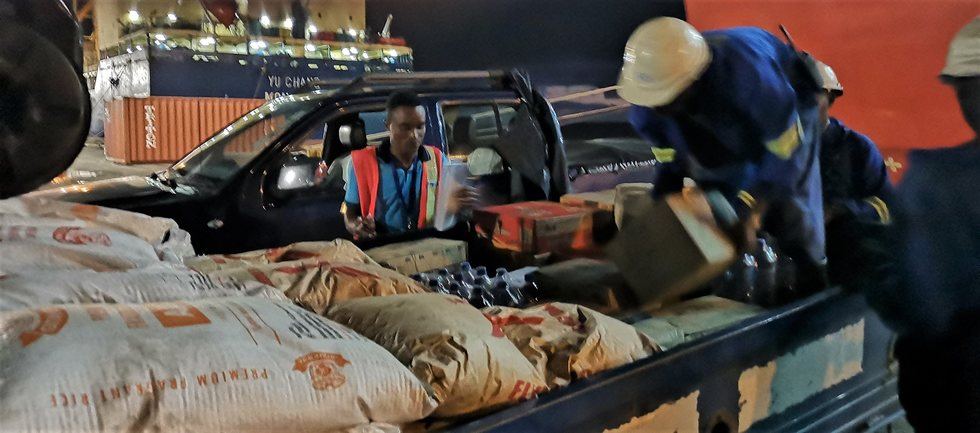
[54,253]
[567,342]
[476,361]
[157,283]
[338,250]
[39,234]
[328,272]
[461,354]
[228,364]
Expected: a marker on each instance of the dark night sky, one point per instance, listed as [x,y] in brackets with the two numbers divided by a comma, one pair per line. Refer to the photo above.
[560,42]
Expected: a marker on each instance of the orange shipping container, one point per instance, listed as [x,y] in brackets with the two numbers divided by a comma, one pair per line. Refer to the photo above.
[165,128]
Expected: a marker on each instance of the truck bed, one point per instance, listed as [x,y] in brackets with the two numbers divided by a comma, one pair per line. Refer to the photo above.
[821,364]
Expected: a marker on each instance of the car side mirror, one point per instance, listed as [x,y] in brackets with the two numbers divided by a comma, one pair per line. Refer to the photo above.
[295,176]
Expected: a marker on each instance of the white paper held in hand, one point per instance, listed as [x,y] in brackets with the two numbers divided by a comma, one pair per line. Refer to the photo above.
[453,177]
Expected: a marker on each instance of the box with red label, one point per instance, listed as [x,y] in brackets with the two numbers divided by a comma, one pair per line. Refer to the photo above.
[601,200]
[602,203]
[535,227]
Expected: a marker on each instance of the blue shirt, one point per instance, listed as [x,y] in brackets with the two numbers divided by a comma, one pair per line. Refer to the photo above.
[753,127]
[393,210]
[938,221]
[853,173]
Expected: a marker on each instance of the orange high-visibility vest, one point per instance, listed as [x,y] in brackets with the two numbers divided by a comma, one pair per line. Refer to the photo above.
[368,176]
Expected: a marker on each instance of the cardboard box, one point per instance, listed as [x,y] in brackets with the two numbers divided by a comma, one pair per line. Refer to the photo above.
[599,200]
[693,319]
[603,204]
[665,335]
[535,227]
[706,314]
[628,199]
[410,258]
[671,247]
[595,284]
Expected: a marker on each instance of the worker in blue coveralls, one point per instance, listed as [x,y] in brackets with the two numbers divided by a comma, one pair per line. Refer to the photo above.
[854,179]
[935,307]
[853,172]
[736,111]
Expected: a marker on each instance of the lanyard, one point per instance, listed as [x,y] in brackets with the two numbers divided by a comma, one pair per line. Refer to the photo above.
[408,204]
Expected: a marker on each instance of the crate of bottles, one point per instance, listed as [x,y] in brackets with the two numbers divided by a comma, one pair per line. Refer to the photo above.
[481,287]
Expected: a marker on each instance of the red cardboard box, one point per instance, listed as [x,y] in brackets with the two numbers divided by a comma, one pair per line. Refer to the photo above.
[535,227]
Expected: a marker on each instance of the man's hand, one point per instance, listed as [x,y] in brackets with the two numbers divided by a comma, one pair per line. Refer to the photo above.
[465,198]
[362,228]
[741,225]
[743,234]
[321,173]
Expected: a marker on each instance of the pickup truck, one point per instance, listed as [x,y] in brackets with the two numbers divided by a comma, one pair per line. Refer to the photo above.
[818,364]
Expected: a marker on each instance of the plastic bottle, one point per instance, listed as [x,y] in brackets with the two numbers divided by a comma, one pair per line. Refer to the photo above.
[765,278]
[466,270]
[460,290]
[481,298]
[506,295]
[444,277]
[436,286]
[481,279]
[529,292]
[499,275]
[743,285]
[454,289]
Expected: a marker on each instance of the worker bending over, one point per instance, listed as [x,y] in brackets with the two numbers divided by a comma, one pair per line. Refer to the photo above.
[853,173]
[855,182]
[735,110]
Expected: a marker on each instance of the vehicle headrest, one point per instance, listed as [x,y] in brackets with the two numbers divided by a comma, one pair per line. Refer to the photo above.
[353,135]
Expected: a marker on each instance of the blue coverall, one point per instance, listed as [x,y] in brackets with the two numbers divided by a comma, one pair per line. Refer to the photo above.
[853,174]
[752,132]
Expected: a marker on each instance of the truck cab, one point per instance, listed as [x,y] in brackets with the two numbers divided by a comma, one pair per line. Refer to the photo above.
[277,175]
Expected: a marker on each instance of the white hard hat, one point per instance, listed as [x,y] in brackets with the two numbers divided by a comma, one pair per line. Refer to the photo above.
[829,78]
[963,59]
[662,58]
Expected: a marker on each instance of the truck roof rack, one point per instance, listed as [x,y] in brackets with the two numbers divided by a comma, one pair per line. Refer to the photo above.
[418,81]
[434,75]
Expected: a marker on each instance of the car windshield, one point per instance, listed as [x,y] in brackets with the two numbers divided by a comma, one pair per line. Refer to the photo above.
[222,156]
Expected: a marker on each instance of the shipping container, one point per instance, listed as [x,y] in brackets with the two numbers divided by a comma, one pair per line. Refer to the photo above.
[164,128]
